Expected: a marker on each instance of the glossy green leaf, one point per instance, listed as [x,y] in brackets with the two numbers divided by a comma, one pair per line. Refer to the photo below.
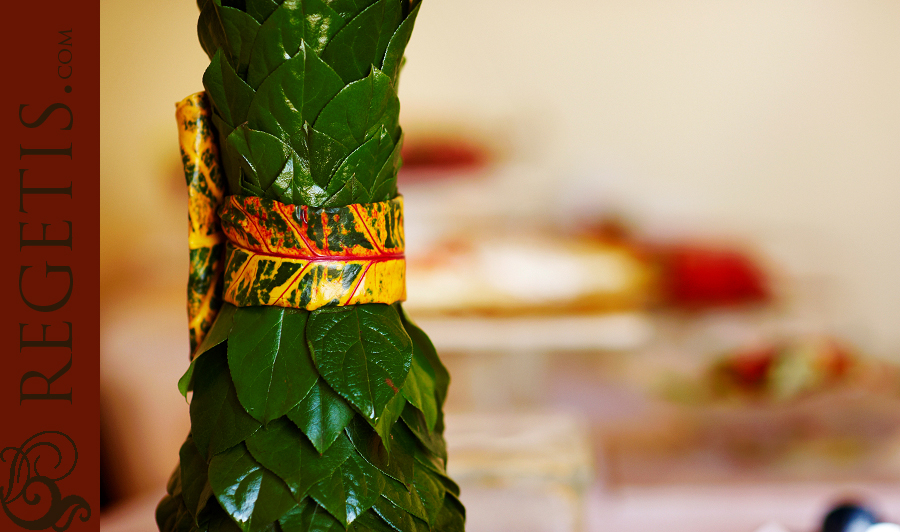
[262,159]
[351,490]
[252,495]
[406,498]
[261,9]
[269,360]
[370,521]
[385,185]
[348,9]
[219,332]
[220,329]
[292,25]
[218,421]
[360,110]
[425,348]
[419,388]
[430,491]
[292,95]
[322,415]
[195,489]
[431,440]
[388,418]
[400,519]
[363,41]
[229,94]
[362,352]
[282,448]
[398,466]
[240,32]
[324,155]
[393,57]
[309,517]
[452,515]
[354,180]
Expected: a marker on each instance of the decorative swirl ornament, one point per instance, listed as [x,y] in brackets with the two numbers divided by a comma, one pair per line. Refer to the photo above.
[27,482]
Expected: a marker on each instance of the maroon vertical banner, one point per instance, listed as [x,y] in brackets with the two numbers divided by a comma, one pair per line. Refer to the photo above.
[49,274]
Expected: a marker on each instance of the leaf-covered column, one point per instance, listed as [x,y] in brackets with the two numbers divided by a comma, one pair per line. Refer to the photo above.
[309,420]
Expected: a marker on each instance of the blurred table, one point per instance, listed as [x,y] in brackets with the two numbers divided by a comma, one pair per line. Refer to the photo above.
[797,507]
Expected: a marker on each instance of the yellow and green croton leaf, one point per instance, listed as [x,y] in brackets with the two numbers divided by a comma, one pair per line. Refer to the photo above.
[313,409]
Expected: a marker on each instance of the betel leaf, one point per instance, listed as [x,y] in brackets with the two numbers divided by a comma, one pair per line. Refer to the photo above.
[324,155]
[431,440]
[351,490]
[229,94]
[419,388]
[431,492]
[322,415]
[398,518]
[425,348]
[252,495]
[292,95]
[217,334]
[388,418]
[354,180]
[261,9]
[370,521]
[269,360]
[282,448]
[372,449]
[362,42]
[283,34]
[452,515]
[309,517]
[393,56]
[195,488]
[349,8]
[404,497]
[360,110]
[218,421]
[362,352]
[262,159]
[385,185]
[220,329]
[240,32]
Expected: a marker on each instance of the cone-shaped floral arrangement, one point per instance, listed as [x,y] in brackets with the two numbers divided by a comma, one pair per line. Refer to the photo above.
[316,401]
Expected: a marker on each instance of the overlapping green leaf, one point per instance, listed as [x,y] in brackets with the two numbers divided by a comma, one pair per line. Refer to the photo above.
[293,94]
[354,180]
[252,495]
[400,519]
[322,416]
[371,447]
[283,449]
[393,57]
[362,352]
[229,94]
[360,110]
[269,360]
[218,421]
[351,490]
[309,517]
[363,41]
[195,489]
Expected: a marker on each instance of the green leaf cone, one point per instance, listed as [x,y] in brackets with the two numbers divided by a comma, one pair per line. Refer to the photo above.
[328,420]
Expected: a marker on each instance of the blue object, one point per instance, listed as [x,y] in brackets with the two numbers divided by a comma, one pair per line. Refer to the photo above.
[849,517]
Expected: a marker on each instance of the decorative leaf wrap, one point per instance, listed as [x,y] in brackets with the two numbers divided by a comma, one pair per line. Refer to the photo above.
[311,420]
[206,190]
[294,256]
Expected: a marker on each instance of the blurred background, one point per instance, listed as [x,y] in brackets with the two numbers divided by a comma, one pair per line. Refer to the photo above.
[656,244]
